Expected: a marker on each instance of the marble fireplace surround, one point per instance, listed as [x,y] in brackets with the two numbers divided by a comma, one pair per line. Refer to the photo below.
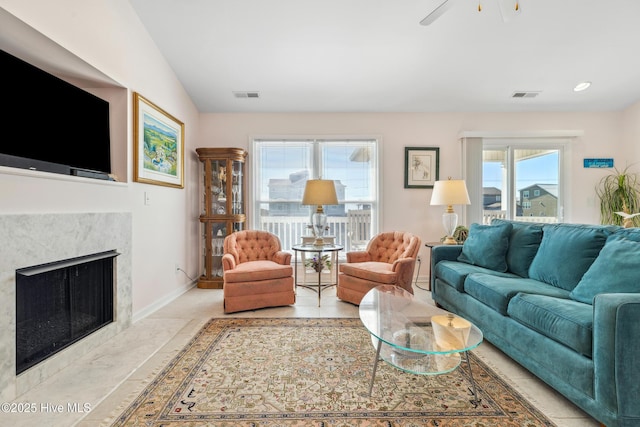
[32,239]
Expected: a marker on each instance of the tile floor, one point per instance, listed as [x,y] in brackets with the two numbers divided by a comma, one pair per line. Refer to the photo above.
[109,377]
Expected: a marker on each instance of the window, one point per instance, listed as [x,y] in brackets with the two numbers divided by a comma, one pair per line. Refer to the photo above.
[281,169]
[510,165]
[518,171]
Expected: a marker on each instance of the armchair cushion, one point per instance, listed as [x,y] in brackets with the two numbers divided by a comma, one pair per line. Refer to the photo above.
[257,270]
[381,272]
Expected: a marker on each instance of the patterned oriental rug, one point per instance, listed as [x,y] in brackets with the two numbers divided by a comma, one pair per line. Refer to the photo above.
[313,372]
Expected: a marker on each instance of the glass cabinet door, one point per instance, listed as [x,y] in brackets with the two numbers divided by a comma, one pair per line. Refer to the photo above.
[237,187]
[218,233]
[218,187]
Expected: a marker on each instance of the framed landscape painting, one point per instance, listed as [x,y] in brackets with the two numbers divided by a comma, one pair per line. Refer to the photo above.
[421,166]
[158,141]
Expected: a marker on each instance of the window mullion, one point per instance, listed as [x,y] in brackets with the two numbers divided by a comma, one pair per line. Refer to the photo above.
[511,184]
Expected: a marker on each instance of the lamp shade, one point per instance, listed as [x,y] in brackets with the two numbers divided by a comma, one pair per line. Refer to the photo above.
[450,192]
[320,192]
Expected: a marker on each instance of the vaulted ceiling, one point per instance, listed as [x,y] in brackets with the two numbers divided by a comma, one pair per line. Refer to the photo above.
[374,56]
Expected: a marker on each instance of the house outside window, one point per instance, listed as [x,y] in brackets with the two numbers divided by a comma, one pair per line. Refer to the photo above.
[281,168]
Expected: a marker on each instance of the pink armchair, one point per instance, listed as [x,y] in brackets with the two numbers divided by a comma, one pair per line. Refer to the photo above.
[257,274]
[388,260]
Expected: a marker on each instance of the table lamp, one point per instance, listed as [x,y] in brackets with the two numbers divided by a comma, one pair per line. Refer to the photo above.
[448,193]
[319,192]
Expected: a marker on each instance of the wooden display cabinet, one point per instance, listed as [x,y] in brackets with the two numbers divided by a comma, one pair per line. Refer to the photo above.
[224,204]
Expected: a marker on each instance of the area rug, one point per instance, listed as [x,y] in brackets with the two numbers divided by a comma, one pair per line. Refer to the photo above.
[313,372]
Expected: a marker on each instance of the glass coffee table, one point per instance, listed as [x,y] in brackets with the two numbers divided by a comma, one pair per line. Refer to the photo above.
[417,337]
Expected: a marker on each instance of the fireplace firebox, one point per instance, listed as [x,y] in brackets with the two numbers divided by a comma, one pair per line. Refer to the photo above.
[60,303]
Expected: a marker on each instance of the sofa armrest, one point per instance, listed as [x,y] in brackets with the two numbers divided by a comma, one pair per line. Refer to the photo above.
[616,354]
[443,253]
[358,256]
[228,262]
[282,257]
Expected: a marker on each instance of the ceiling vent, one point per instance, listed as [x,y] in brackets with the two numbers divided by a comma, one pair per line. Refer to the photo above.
[247,94]
[529,94]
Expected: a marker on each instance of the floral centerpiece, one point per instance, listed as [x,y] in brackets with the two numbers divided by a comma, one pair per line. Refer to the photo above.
[318,263]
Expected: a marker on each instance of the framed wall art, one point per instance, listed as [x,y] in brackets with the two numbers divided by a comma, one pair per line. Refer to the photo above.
[158,142]
[421,166]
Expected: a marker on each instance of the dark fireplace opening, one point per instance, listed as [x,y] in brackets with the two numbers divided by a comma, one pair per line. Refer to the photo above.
[60,303]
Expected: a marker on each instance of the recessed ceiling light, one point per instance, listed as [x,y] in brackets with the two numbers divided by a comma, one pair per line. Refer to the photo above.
[582,86]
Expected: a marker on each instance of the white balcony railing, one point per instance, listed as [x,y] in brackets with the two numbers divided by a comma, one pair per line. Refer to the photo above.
[353,231]
[290,229]
[487,216]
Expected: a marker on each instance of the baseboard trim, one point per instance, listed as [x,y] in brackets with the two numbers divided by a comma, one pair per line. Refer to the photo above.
[152,308]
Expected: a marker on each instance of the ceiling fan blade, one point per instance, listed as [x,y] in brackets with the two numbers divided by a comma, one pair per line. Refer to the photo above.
[437,12]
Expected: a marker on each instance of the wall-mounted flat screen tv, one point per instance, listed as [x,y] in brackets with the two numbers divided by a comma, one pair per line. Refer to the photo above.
[51,125]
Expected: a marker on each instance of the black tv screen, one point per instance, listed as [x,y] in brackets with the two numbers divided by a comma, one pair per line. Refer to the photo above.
[49,124]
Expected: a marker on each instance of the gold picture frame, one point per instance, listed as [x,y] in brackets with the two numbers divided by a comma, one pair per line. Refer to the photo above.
[158,145]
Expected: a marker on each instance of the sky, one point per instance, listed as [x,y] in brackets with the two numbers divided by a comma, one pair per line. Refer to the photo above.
[280,162]
[538,170]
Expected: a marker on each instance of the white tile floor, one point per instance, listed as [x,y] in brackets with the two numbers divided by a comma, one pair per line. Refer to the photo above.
[108,378]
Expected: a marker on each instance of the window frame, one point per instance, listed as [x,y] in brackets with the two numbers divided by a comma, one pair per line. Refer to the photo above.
[515,144]
[474,144]
[315,167]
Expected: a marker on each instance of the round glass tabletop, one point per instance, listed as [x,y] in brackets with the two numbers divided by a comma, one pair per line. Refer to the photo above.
[413,335]
[314,248]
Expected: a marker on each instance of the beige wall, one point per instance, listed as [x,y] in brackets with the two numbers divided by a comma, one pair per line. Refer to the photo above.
[409,209]
[631,126]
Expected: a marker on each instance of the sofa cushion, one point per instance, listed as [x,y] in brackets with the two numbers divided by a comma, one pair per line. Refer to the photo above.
[617,269]
[487,246]
[566,253]
[455,273]
[629,233]
[524,242]
[563,320]
[381,272]
[496,292]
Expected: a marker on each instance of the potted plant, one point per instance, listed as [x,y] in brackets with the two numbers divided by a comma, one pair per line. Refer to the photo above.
[619,192]
[460,234]
[318,263]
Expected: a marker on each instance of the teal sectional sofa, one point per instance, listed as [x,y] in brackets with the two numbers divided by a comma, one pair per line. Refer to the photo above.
[563,300]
